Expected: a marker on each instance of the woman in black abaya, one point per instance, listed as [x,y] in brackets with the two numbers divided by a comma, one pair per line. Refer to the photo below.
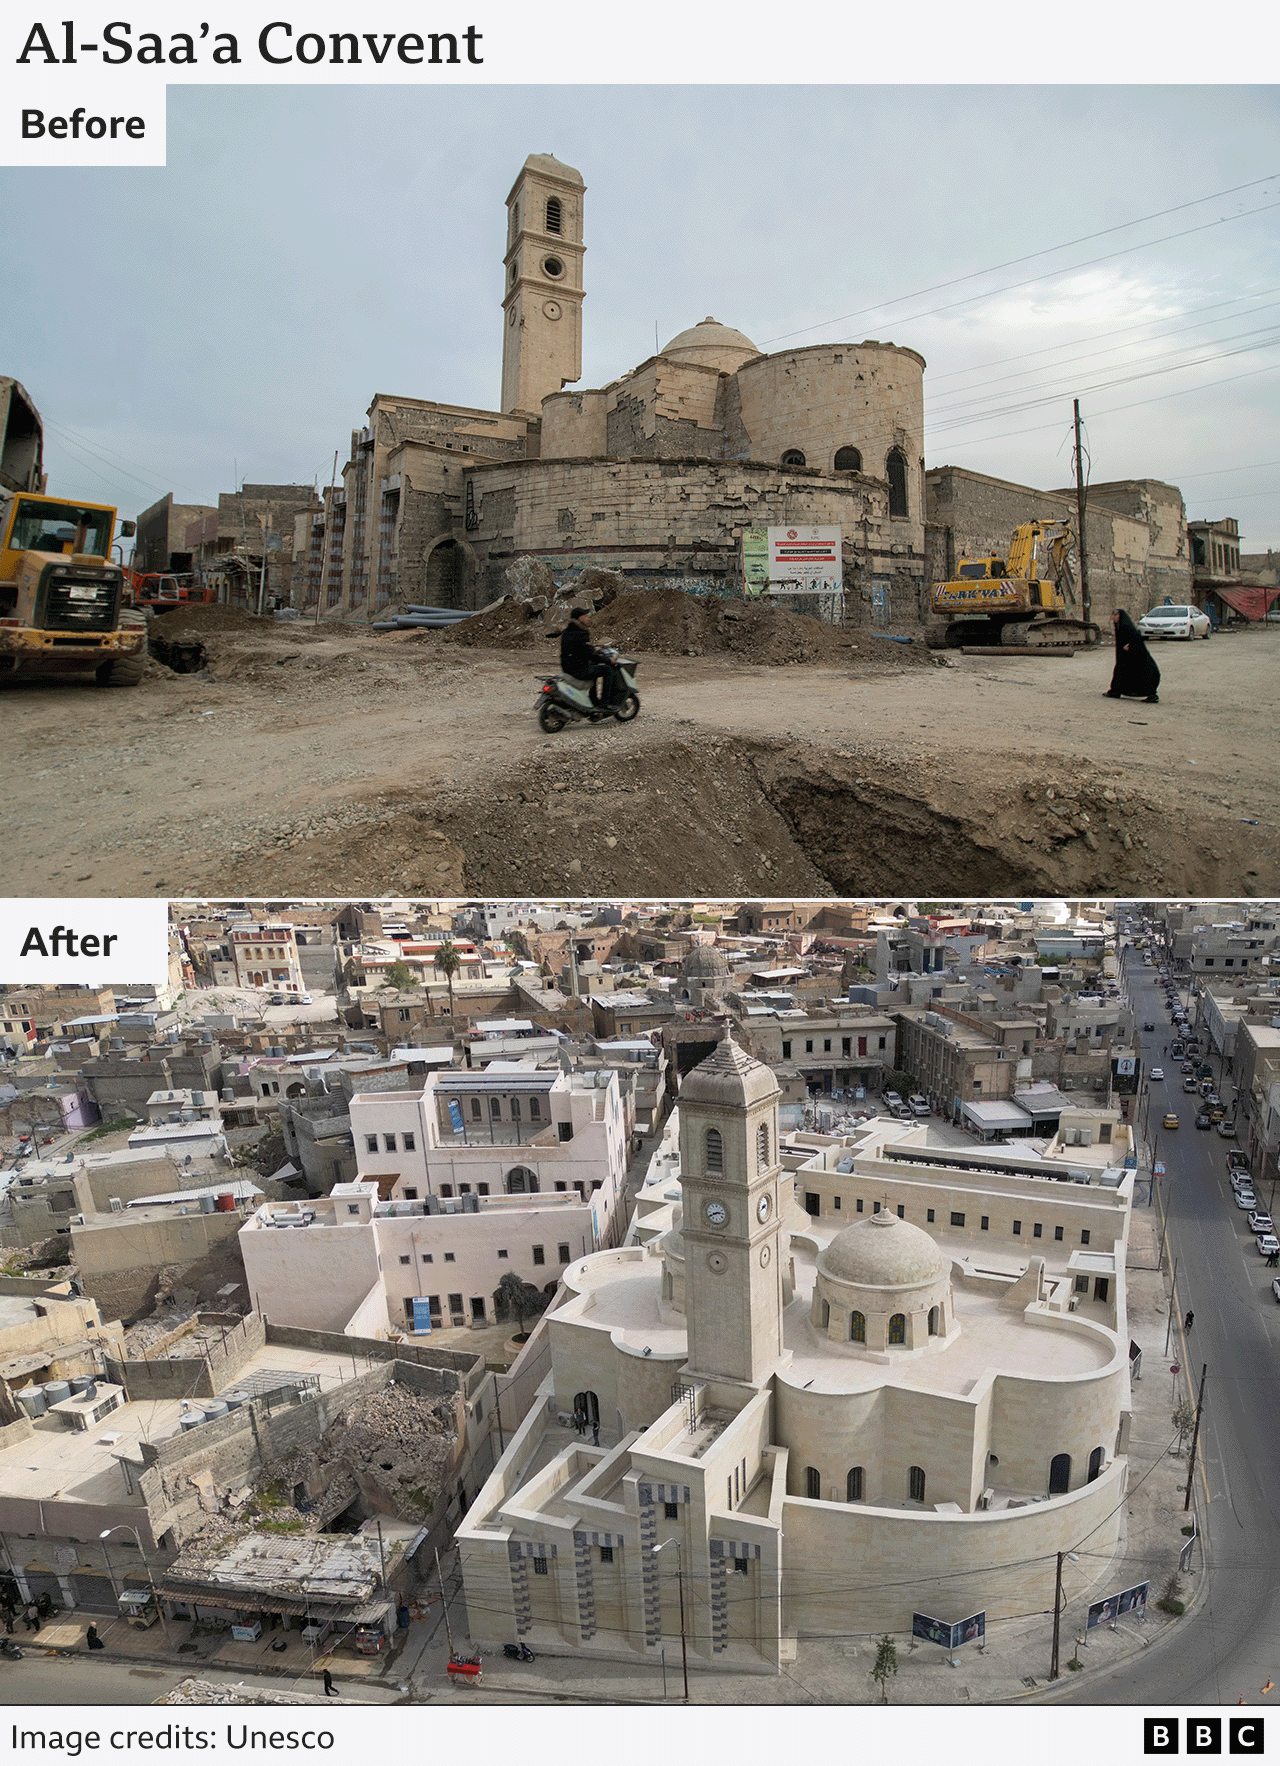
[1135,675]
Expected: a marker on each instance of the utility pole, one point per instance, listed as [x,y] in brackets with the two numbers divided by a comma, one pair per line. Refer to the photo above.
[1057,1619]
[1085,603]
[1195,1437]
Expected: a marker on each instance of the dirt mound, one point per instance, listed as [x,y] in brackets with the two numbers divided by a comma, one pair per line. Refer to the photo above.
[669,622]
[200,619]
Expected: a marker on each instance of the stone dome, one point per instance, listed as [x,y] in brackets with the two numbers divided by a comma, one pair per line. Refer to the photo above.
[883,1252]
[704,961]
[711,345]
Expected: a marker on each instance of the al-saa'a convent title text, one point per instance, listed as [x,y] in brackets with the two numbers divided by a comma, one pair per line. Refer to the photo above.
[278,43]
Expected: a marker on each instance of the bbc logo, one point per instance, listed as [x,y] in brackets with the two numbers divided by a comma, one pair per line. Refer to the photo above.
[1203,1735]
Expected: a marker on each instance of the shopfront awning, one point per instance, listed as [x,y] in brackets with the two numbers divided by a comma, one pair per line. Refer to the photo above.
[1253,601]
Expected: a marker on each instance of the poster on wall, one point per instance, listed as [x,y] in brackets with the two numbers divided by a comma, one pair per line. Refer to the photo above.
[805,561]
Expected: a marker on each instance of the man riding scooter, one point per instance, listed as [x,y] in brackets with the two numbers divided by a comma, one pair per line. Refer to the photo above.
[580,659]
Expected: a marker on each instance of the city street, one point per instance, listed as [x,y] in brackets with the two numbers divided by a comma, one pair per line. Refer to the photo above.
[1228,1649]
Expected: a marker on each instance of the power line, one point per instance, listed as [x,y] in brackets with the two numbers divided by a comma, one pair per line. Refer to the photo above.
[1066,245]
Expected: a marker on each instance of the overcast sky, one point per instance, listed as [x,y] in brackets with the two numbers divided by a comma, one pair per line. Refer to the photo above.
[235,312]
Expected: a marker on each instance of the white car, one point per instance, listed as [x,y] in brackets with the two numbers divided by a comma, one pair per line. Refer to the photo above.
[1275,1286]
[1175,622]
[1260,1222]
[1246,1199]
[1268,1243]
[1157,1073]
[919,1105]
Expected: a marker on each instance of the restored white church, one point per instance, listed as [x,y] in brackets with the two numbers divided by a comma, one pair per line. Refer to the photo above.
[908,1394]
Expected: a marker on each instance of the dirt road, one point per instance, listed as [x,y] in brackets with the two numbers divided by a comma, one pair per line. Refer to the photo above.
[331,763]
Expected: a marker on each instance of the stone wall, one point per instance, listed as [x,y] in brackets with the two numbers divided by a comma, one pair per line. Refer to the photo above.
[1135,533]
[200,1375]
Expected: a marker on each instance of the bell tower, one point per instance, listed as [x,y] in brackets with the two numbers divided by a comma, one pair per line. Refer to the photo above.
[542,299]
[729,1173]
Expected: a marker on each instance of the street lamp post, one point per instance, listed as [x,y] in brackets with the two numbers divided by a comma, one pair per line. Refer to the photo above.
[684,1653]
[124,1527]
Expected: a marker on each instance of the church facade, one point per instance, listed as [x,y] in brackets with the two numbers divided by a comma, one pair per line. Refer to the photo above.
[654,475]
[906,1395]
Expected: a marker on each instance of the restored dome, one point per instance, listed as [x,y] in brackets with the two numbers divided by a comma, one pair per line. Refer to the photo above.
[729,1076]
[882,1252]
[704,960]
[711,345]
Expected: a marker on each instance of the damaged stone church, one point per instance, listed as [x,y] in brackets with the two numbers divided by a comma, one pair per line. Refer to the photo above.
[658,474]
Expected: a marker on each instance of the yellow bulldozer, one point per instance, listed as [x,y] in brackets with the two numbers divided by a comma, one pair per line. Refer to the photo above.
[64,605]
[1023,600]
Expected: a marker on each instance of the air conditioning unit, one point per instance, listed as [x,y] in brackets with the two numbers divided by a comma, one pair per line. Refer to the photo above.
[116,1205]
[1073,1304]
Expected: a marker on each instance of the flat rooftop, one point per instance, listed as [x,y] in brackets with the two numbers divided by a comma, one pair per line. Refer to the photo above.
[80,1466]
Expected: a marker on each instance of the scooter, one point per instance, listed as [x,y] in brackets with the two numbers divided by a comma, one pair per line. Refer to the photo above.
[561,699]
[518,1652]
[9,1649]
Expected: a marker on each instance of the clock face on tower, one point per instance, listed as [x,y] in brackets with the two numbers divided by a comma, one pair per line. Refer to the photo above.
[716,1213]
[762,1208]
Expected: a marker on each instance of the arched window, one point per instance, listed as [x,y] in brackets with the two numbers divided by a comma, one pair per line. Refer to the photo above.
[813,1483]
[762,1146]
[1095,1464]
[1059,1474]
[553,214]
[824,1315]
[475,1107]
[895,470]
[915,1483]
[935,1320]
[857,1327]
[715,1150]
[898,1328]
[848,460]
[793,457]
[853,1485]
[521,1181]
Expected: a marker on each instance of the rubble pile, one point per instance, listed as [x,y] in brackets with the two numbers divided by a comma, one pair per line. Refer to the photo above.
[396,1443]
[669,622]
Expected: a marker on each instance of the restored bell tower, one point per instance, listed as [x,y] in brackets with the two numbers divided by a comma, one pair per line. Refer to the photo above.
[729,1174]
[542,300]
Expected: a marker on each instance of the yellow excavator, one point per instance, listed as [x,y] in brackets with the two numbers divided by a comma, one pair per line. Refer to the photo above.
[1022,601]
[64,605]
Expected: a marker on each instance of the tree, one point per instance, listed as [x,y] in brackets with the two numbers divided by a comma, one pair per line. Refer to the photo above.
[886,1663]
[1184,1420]
[400,976]
[448,962]
[518,1298]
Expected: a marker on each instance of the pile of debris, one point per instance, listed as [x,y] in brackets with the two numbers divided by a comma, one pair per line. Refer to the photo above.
[670,622]
[392,1447]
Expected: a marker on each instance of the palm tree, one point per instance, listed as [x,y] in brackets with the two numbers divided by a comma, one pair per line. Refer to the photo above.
[518,1298]
[448,962]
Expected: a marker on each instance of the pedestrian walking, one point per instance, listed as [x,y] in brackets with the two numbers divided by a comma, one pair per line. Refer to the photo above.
[1188,1321]
[595,1434]
[1135,675]
[580,1420]
[31,1616]
[330,1690]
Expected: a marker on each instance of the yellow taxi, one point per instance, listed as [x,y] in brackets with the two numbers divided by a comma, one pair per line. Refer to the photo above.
[1171,1118]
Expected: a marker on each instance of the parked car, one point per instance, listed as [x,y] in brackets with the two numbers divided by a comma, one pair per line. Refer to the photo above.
[1236,1161]
[1240,1180]
[1175,622]
[1189,1085]
[276,999]
[1202,1120]
[891,1098]
[1171,1118]
[1227,1130]
[1260,1222]
[1275,1286]
[1246,1199]
[1157,1073]
[1267,1244]
[304,999]
[919,1106]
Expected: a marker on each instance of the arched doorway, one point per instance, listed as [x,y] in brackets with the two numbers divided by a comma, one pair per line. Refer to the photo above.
[1095,1464]
[449,573]
[1059,1474]
[589,1405]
